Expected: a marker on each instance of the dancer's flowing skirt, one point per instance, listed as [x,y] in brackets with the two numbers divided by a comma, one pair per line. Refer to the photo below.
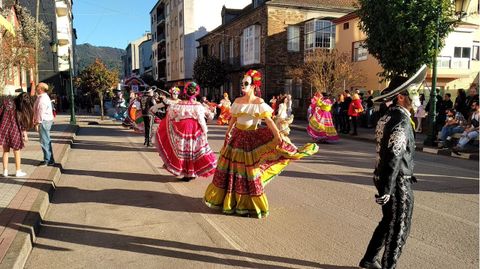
[321,127]
[184,149]
[224,116]
[248,161]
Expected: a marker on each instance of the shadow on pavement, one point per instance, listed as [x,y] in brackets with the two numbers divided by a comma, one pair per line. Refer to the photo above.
[426,182]
[122,175]
[99,237]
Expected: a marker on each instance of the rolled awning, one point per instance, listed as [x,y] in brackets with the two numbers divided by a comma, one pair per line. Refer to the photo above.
[7,25]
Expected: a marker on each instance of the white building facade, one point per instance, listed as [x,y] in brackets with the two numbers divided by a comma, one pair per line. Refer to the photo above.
[132,59]
[176,25]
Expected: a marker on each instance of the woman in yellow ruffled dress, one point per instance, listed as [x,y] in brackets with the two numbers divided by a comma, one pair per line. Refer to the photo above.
[225,110]
[251,156]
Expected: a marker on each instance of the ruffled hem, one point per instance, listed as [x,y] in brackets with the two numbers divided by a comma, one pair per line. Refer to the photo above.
[234,203]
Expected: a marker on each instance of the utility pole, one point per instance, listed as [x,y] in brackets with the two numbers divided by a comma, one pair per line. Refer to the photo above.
[36,41]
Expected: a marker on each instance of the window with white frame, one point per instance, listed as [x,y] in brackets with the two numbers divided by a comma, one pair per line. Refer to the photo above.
[443,62]
[230,51]
[221,51]
[251,44]
[360,52]
[293,36]
[180,19]
[461,52]
[319,34]
[241,49]
[476,53]
[288,86]
[297,93]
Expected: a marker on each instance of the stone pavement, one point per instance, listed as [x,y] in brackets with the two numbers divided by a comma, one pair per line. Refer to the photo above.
[24,200]
[368,134]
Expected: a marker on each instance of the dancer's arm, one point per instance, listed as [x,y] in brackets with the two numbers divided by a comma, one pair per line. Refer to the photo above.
[231,123]
[276,133]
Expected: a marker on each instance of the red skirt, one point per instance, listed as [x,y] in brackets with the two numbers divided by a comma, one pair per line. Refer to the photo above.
[184,148]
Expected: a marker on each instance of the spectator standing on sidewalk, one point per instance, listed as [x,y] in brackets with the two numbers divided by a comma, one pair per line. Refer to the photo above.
[16,117]
[369,108]
[337,113]
[354,110]
[454,124]
[471,132]
[345,107]
[461,103]
[420,114]
[43,121]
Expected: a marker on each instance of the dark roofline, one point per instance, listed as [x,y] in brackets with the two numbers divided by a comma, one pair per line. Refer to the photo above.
[327,8]
[156,4]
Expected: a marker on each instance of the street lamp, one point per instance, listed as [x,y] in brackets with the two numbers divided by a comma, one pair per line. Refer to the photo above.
[431,136]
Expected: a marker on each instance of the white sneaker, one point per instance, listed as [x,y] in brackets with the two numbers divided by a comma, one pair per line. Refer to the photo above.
[20,173]
[5,173]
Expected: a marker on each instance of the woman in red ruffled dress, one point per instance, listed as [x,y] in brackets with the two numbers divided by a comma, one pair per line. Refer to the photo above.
[182,137]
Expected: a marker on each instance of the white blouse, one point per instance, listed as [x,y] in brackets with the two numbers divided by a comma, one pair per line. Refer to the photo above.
[249,115]
[197,111]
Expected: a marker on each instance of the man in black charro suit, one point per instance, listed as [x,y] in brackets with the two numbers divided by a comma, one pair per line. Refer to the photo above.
[393,174]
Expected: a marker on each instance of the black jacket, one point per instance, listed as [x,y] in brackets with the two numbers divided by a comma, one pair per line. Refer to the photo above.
[395,150]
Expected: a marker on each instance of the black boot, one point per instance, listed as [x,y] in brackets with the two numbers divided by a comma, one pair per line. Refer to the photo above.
[370,265]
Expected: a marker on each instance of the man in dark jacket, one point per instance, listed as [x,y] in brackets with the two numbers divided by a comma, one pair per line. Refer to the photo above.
[146,102]
[393,174]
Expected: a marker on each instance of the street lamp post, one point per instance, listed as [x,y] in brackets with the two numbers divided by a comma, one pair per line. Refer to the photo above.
[432,121]
[431,136]
[73,119]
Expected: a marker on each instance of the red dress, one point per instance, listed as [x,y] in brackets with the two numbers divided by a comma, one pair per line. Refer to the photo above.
[10,130]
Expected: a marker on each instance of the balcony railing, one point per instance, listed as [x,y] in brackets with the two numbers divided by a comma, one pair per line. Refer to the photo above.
[455,63]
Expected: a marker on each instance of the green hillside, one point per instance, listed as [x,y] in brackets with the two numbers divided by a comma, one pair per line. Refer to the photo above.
[112,57]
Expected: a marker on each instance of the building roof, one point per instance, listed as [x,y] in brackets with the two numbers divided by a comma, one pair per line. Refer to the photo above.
[349,4]
[348,17]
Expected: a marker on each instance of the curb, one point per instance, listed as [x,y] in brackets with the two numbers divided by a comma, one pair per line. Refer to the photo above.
[420,148]
[28,229]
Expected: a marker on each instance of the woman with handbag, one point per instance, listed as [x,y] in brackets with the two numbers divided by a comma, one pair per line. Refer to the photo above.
[354,110]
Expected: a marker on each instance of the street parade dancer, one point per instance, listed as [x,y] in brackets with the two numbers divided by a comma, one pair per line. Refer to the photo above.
[182,137]
[147,102]
[251,156]
[393,174]
[225,110]
[283,119]
[320,124]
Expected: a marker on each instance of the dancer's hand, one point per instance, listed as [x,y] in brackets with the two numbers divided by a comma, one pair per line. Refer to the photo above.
[37,128]
[382,200]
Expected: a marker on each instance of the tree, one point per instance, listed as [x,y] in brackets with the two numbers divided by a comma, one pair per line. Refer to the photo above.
[209,72]
[328,71]
[97,79]
[18,50]
[401,34]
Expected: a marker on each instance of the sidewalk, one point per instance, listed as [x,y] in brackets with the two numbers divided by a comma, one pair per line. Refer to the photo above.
[368,135]
[24,201]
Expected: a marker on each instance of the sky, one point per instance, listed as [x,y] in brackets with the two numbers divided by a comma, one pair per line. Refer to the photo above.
[115,23]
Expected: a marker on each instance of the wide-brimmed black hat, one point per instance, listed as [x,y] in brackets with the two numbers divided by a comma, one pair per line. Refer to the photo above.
[400,84]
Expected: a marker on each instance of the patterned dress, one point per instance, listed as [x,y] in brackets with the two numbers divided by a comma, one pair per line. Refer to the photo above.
[182,141]
[320,124]
[225,112]
[248,161]
[10,129]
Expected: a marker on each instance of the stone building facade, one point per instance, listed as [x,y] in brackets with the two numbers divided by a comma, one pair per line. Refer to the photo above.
[274,32]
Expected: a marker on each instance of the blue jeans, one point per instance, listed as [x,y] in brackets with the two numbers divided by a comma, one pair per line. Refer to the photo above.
[466,137]
[450,130]
[45,141]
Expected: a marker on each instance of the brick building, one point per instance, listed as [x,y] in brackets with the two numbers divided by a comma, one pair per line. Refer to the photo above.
[272,36]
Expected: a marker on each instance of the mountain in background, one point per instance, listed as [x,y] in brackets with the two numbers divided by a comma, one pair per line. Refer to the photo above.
[87,53]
